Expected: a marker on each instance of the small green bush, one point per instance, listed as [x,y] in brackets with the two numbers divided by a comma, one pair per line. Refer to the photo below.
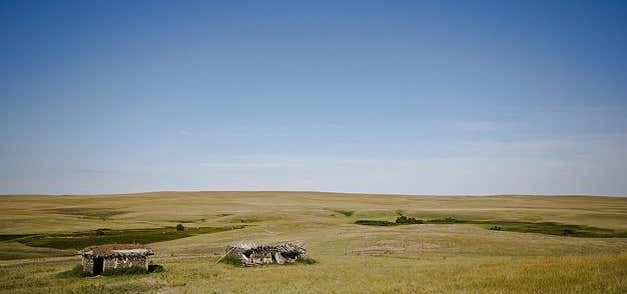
[180,227]
[155,268]
[568,232]
[306,260]
[7,237]
[102,232]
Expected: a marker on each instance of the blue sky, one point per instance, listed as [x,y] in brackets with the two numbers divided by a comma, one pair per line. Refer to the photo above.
[420,97]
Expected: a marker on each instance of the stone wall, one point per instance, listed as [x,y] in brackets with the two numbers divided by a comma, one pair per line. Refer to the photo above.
[119,262]
[251,254]
[88,265]
[125,262]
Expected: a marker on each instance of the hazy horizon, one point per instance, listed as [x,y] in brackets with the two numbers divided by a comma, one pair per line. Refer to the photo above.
[421,98]
[309,192]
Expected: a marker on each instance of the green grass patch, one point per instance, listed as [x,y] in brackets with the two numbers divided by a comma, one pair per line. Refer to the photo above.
[551,228]
[401,220]
[11,237]
[548,228]
[80,240]
[75,272]
[24,255]
[381,223]
[231,260]
[125,271]
[87,212]
[306,260]
[447,220]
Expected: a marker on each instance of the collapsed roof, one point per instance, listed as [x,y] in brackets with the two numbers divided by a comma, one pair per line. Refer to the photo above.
[251,253]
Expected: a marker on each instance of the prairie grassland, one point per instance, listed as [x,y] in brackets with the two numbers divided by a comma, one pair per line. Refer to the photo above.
[426,258]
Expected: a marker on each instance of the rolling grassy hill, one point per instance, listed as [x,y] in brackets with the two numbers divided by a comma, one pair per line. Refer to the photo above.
[352,258]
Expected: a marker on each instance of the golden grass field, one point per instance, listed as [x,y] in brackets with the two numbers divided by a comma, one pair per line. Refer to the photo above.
[427,258]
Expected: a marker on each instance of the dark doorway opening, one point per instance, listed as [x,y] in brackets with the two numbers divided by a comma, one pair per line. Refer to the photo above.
[98,266]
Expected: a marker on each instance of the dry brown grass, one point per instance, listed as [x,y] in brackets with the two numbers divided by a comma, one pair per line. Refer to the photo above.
[351,258]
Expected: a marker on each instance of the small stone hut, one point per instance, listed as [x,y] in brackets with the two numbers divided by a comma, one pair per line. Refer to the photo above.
[252,254]
[97,259]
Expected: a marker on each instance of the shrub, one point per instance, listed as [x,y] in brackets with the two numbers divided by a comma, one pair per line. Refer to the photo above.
[568,232]
[403,220]
[446,220]
[450,219]
[180,227]
[306,260]
[155,268]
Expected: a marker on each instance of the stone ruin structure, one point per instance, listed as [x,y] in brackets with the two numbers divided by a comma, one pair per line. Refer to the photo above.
[97,259]
[252,254]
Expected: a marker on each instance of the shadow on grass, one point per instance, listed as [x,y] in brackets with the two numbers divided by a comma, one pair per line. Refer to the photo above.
[237,262]
[77,272]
